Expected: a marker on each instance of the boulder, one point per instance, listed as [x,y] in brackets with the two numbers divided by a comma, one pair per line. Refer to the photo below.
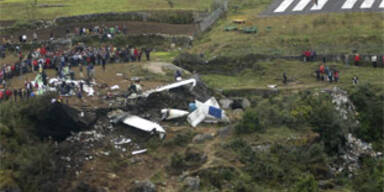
[245,103]
[224,131]
[144,186]
[226,103]
[192,183]
[201,138]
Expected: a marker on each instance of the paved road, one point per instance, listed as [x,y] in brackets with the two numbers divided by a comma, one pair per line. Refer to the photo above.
[288,7]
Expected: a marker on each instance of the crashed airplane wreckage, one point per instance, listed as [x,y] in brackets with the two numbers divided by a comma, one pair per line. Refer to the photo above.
[165,88]
[209,111]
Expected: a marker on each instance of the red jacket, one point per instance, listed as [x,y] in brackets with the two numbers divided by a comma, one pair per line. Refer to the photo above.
[13,68]
[136,52]
[321,68]
[336,74]
[34,63]
[48,62]
[357,58]
[43,51]
[8,92]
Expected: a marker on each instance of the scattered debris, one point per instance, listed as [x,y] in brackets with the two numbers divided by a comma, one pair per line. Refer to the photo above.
[144,125]
[355,148]
[169,114]
[272,86]
[144,186]
[139,152]
[166,88]
[115,87]
[209,112]
[192,183]
[121,141]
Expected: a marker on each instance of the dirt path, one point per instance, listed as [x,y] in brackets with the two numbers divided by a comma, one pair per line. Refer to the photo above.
[162,68]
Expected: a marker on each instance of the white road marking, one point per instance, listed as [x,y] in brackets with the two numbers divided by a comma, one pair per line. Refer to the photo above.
[320,4]
[301,5]
[348,4]
[367,4]
[381,4]
[283,6]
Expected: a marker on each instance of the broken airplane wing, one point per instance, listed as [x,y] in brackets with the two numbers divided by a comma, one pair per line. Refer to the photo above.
[144,125]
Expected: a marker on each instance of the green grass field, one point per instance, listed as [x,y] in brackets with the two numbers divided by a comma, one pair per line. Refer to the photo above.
[290,35]
[25,9]
[301,74]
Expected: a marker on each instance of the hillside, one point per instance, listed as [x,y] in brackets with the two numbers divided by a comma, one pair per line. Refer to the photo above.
[50,9]
[326,33]
[265,121]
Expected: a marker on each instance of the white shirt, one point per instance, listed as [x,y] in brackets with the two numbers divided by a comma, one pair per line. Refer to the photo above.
[374,58]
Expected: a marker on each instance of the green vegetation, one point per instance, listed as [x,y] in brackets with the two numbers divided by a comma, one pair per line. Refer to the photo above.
[291,34]
[49,9]
[371,176]
[369,101]
[27,163]
[250,123]
[276,159]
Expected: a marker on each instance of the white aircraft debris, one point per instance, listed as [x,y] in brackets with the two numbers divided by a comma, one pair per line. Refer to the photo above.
[139,152]
[209,112]
[169,114]
[144,125]
[166,88]
[115,87]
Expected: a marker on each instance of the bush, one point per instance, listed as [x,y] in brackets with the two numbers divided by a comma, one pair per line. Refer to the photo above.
[181,139]
[32,161]
[326,121]
[306,184]
[369,102]
[177,161]
[370,177]
[250,123]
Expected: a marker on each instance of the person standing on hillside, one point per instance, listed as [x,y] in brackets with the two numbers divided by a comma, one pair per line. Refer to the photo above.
[355,80]
[336,76]
[357,59]
[285,78]
[374,61]
[148,53]
[34,36]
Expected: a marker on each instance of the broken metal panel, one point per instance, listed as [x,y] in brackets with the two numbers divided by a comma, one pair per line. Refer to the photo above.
[139,151]
[144,125]
[170,114]
[166,88]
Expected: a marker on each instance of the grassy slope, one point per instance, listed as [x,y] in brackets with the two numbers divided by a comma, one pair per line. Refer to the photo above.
[22,9]
[301,73]
[290,35]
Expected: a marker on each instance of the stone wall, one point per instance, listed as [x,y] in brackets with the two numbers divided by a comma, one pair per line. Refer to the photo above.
[211,19]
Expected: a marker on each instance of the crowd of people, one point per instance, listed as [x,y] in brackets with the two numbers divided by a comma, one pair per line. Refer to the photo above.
[324,73]
[45,57]
[103,31]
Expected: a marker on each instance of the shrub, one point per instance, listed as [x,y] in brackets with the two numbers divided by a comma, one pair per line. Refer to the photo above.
[177,161]
[370,177]
[369,102]
[181,139]
[326,121]
[306,184]
[250,123]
